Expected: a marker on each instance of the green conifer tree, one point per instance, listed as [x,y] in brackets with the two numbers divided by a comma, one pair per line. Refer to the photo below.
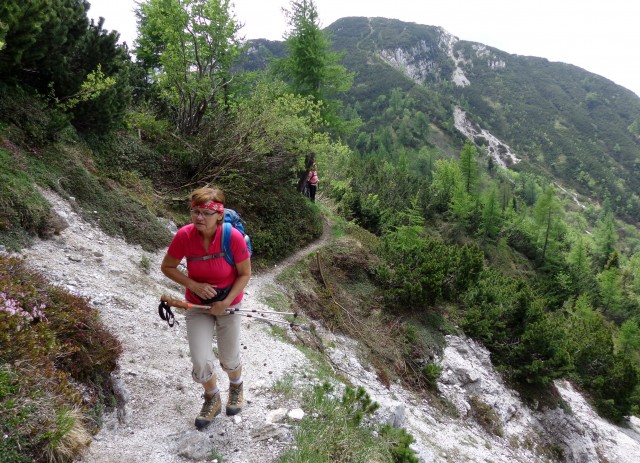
[606,238]
[469,167]
[311,68]
[548,217]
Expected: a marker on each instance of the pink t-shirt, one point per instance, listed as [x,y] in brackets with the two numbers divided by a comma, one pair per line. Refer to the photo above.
[313,177]
[216,271]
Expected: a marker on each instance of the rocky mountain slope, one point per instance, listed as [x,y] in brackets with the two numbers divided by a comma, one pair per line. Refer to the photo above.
[552,119]
[560,120]
[157,401]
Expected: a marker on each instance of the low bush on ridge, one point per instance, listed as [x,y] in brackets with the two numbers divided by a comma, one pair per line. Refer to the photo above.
[55,361]
[340,430]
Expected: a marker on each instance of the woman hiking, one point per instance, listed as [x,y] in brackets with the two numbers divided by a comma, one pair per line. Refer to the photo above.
[312,181]
[211,280]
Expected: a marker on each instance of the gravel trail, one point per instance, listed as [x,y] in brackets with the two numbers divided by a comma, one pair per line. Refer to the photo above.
[158,400]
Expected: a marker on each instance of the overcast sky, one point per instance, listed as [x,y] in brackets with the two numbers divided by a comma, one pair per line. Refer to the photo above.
[601,36]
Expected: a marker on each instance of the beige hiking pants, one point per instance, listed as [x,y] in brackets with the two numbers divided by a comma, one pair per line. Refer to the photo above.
[201,330]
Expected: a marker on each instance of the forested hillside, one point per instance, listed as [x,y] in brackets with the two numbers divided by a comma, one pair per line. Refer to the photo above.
[562,121]
[538,260]
[560,262]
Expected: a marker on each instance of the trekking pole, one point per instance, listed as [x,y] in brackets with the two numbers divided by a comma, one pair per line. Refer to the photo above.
[274,312]
[166,302]
[265,319]
[188,305]
[181,304]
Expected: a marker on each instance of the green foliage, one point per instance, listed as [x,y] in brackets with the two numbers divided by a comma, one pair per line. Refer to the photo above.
[115,212]
[447,179]
[469,167]
[486,416]
[95,83]
[380,196]
[491,222]
[548,218]
[572,129]
[399,441]
[39,33]
[506,315]
[263,138]
[23,210]
[106,109]
[613,392]
[53,48]
[431,373]
[358,404]
[609,377]
[34,125]
[365,210]
[311,67]
[580,266]
[55,362]
[189,47]
[629,337]
[119,153]
[606,238]
[417,270]
[611,292]
[336,430]
[276,235]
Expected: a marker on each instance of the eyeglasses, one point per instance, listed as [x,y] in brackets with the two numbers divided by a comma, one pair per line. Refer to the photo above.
[204,214]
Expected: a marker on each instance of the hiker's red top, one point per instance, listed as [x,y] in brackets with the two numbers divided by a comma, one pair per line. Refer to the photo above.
[217,272]
[313,177]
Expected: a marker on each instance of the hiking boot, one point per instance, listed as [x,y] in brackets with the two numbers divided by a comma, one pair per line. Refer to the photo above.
[210,409]
[234,405]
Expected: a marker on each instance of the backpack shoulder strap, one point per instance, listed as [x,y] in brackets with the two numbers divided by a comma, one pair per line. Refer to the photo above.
[207,257]
[226,243]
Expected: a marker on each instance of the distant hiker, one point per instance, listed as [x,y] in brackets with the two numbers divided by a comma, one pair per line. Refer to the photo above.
[312,180]
[211,280]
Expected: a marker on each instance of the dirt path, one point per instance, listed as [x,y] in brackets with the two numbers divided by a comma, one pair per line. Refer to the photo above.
[153,422]
[158,399]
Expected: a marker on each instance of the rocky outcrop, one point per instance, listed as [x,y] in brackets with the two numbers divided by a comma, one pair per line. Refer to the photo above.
[574,428]
[496,149]
[414,62]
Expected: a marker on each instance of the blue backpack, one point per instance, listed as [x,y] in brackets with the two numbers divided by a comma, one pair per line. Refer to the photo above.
[232,219]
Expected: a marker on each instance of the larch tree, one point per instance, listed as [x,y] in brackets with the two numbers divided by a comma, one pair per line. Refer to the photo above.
[447,178]
[311,68]
[579,262]
[469,167]
[606,237]
[548,218]
[491,217]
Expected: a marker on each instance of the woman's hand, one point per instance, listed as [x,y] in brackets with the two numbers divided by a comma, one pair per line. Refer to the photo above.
[219,308]
[203,290]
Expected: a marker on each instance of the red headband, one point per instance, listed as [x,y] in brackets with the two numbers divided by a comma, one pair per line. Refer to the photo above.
[216,207]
